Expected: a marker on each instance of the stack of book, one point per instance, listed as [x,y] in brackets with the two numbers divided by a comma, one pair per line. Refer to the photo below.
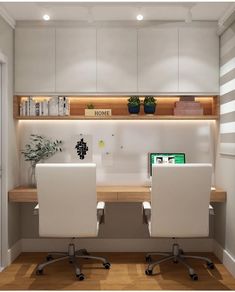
[188,108]
[53,106]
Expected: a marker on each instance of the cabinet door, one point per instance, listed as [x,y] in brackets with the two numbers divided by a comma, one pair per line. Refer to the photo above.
[75,60]
[198,60]
[158,60]
[35,60]
[117,60]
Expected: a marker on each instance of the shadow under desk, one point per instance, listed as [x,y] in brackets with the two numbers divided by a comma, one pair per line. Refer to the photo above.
[24,194]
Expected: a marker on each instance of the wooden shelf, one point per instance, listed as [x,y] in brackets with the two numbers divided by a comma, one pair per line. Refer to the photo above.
[108,194]
[164,109]
[116,117]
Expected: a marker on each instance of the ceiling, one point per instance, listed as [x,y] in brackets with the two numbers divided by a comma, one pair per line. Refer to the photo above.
[111,11]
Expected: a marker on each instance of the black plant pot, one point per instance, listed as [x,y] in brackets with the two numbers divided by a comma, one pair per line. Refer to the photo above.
[149,109]
[134,109]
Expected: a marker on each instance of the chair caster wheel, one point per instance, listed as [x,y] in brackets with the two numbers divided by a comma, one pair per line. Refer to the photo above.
[39,272]
[49,258]
[210,266]
[80,277]
[107,266]
[194,277]
[148,259]
[148,272]
[175,261]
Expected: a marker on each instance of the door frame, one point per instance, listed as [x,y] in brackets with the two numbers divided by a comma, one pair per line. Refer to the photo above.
[4,180]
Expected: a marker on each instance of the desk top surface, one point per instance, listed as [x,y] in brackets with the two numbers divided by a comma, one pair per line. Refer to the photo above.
[108,194]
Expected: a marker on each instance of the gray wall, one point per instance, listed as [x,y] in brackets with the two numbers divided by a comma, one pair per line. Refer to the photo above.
[7,48]
[225,164]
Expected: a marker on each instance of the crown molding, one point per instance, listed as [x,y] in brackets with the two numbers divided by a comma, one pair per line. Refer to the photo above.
[226,19]
[7,17]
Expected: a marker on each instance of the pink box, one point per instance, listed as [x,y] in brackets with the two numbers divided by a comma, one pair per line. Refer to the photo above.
[188,112]
[188,104]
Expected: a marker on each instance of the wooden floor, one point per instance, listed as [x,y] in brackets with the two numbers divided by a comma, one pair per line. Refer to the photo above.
[126,273]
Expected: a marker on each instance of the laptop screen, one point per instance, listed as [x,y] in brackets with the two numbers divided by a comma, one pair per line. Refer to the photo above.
[165,158]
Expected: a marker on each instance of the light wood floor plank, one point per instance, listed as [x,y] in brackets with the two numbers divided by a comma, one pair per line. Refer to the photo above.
[126,273]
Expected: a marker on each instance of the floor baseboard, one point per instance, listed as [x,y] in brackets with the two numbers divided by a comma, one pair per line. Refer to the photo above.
[225,257]
[14,252]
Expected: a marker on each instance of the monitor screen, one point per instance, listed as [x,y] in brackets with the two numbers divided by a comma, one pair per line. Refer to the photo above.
[159,158]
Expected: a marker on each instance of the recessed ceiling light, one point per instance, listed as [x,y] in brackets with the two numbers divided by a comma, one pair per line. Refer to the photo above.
[46,17]
[139,17]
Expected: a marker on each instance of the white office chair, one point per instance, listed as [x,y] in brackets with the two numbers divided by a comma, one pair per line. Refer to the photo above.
[179,207]
[68,208]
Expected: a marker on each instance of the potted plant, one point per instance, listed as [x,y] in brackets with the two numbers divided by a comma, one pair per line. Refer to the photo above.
[134,105]
[89,111]
[149,105]
[90,106]
[38,149]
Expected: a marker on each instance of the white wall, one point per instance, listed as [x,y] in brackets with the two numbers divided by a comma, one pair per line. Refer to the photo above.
[224,224]
[225,214]
[7,48]
[127,144]
[225,164]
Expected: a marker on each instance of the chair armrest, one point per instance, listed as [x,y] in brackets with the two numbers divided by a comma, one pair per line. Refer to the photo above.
[36,210]
[146,212]
[100,211]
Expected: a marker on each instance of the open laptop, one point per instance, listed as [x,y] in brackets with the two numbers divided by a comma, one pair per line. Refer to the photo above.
[165,158]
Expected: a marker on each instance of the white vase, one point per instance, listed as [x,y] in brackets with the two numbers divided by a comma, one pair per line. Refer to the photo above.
[32,177]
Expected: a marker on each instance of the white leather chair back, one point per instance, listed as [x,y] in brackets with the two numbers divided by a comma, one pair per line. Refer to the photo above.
[67,199]
[180,200]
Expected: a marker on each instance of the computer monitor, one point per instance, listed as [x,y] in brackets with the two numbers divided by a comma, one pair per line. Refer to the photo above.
[159,158]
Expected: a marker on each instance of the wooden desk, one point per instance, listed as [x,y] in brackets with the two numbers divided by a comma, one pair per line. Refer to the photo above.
[107,194]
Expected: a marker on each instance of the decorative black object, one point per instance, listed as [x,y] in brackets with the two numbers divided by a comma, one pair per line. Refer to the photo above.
[82,148]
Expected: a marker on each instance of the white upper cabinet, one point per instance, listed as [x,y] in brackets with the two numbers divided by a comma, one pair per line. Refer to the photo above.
[35,60]
[75,60]
[198,60]
[117,60]
[158,60]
